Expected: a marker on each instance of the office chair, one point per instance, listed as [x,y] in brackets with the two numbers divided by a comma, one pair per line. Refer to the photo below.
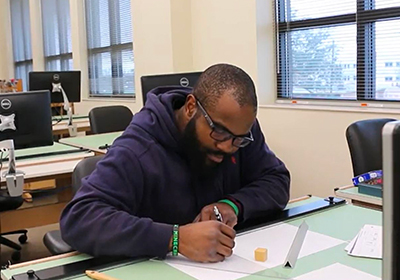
[8,203]
[364,139]
[109,119]
[52,239]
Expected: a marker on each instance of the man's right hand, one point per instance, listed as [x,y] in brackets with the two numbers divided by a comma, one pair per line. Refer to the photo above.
[208,241]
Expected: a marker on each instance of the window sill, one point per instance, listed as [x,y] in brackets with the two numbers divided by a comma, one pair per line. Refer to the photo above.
[356,107]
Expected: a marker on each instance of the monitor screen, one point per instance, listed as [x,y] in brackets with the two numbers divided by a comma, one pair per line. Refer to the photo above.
[70,82]
[25,117]
[179,79]
[391,196]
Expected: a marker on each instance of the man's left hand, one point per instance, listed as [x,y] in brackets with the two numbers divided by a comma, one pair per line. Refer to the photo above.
[228,214]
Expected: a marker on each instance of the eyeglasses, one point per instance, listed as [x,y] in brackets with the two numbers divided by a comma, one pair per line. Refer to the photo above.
[220,134]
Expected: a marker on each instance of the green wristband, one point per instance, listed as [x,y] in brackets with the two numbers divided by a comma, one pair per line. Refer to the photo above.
[231,204]
[175,240]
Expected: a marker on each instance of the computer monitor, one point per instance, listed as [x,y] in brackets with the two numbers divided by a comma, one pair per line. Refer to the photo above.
[178,79]
[69,80]
[391,200]
[25,117]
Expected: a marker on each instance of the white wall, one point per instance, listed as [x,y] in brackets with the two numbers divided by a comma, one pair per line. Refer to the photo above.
[313,145]
[36,35]
[6,53]
[224,31]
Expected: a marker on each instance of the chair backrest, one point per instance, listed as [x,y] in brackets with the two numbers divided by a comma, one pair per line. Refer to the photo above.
[84,168]
[10,203]
[109,119]
[364,139]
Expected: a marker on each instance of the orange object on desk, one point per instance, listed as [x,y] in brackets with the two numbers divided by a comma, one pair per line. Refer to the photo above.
[98,276]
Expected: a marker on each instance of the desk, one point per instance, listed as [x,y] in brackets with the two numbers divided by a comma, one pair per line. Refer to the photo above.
[41,167]
[333,223]
[360,199]
[45,210]
[92,142]
[61,127]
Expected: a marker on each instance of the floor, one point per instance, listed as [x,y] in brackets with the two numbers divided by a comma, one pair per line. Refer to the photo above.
[32,249]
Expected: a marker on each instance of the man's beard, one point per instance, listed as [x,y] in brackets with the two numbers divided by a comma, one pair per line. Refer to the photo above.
[199,163]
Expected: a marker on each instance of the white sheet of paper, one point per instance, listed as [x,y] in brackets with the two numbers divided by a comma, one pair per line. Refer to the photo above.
[335,272]
[369,243]
[277,240]
[231,268]
[351,244]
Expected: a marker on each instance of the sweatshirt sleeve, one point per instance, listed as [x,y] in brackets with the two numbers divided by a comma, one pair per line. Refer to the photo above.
[100,220]
[265,179]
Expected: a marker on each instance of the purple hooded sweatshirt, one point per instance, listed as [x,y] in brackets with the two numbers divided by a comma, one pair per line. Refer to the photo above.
[128,205]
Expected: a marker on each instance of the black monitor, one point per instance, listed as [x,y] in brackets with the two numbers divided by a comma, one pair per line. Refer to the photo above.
[26,118]
[391,200]
[70,82]
[178,79]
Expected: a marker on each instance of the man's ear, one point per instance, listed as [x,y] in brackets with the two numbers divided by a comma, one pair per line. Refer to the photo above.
[190,106]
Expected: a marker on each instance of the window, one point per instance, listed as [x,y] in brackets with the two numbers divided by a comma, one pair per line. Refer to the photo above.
[318,41]
[110,48]
[57,35]
[388,79]
[21,37]
[398,78]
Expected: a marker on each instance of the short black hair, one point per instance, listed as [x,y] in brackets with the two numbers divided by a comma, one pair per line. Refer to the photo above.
[221,78]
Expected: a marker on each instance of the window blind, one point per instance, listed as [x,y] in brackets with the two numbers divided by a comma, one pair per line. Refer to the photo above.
[344,50]
[57,35]
[110,48]
[21,37]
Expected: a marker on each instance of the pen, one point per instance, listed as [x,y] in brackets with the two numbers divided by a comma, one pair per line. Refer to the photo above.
[98,276]
[217,213]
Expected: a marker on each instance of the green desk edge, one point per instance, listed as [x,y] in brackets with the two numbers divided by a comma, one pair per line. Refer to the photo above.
[65,117]
[342,222]
[56,147]
[354,191]
[92,141]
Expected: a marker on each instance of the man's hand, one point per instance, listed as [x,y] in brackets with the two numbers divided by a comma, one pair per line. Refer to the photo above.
[228,214]
[208,241]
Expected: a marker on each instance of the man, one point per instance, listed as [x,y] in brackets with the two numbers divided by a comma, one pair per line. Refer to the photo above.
[183,153]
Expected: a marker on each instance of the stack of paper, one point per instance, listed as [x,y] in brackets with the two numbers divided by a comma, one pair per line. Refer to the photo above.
[367,243]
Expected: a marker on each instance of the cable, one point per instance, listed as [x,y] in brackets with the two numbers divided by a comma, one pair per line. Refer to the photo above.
[3,155]
[58,120]
[1,160]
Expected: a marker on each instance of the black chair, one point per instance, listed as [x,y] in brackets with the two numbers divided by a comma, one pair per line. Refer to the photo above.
[52,239]
[8,203]
[109,119]
[364,139]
